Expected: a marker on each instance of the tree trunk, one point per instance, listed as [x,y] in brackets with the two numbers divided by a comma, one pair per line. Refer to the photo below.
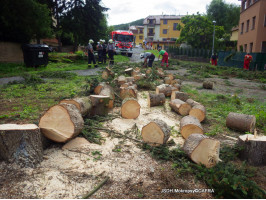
[192,102]
[190,125]
[179,95]
[202,149]
[107,90]
[156,99]
[21,144]
[165,89]
[180,107]
[156,132]
[207,85]
[61,122]
[253,149]
[241,122]
[100,105]
[83,104]
[128,92]
[130,108]
[198,111]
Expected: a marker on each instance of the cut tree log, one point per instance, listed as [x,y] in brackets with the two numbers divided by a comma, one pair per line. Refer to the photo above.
[198,111]
[100,105]
[179,95]
[106,73]
[156,132]
[180,107]
[83,104]
[135,72]
[61,122]
[125,85]
[21,144]
[170,76]
[192,102]
[167,80]
[128,71]
[107,90]
[130,108]
[166,89]
[128,92]
[202,149]
[207,85]
[241,122]
[253,149]
[176,81]
[121,80]
[190,125]
[156,99]
[177,86]
[99,87]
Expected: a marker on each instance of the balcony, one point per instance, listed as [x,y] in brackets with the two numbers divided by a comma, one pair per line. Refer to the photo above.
[151,34]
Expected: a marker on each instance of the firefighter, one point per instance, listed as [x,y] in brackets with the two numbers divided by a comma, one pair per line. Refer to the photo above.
[164,54]
[100,52]
[247,60]
[111,51]
[91,55]
[104,51]
[146,56]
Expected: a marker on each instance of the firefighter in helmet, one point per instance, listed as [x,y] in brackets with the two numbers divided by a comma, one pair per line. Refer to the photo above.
[111,51]
[100,52]
[104,51]
[91,55]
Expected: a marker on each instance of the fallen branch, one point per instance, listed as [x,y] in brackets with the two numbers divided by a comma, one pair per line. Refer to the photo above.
[86,196]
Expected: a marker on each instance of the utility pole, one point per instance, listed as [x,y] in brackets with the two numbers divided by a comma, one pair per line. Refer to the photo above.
[214,22]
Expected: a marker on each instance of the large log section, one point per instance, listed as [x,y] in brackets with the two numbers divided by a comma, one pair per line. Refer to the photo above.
[156,132]
[156,99]
[202,149]
[180,106]
[83,104]
[166,89]
[198,111]
[61,122]
[130,108]
[179,95]
[190,125]
[21,144]
[241,122]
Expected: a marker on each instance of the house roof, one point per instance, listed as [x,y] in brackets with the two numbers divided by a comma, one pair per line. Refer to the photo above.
[159,17]
[234,29]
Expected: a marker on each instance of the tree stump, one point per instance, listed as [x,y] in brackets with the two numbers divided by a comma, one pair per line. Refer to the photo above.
[202,149]
[106,73]
[83,104]
[128,71]
[100,105]
[128,92]
[156,99]
[179,95]
[156,132]
[253,149]
[130,108]
[107,90]
[241,122]
[121,80]
[198,111]
[61,122]
[192,102]
[21,144]
[166,89]
[190,125]
[180,107]
[207,85]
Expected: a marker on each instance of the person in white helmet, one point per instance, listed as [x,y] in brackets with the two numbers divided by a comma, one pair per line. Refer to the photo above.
[100,52]
[146,56]
[111,51]
[91,55]
[104,51]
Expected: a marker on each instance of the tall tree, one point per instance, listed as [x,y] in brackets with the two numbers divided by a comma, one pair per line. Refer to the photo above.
[23,20]
[226,15]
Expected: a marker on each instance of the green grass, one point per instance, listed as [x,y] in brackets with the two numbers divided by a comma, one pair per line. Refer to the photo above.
[155,52]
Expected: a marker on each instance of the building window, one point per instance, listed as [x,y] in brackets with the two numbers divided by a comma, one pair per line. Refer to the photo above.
[165,21]
[242,28]
[175,26]
[164,31]
[247,26]
[264,20]
[151,21]
[263,47]
[245,47]
[164,39]
[140,37]
[250,47]
[140,30]
[249,3]
[253,22]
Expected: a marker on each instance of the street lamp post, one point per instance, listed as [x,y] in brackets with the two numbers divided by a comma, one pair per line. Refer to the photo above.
[214,22]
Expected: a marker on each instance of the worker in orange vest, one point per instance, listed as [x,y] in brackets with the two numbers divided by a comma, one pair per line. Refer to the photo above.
[247,60]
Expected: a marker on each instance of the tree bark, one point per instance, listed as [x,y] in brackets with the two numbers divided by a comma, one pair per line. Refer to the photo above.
[100,105]
[190,125]
[198,111]
[106,73]
[253,149]
[121,80]
[165,89]
[21,144]
[61,122]
[156,99]
[180,107]
[241,122]
[130,108]
[108,91]
[128,92]
[156,132]
[192,102]
[83,104]
[202,149]
[179,95]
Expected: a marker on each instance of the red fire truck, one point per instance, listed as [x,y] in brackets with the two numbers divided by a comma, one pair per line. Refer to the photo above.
[123,41]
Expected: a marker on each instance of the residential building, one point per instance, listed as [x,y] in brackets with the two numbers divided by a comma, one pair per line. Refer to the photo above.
[234,34]
[252,23]
[161,30]
[138,34]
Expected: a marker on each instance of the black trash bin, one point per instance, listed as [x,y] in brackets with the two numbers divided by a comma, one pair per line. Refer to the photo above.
[35,54]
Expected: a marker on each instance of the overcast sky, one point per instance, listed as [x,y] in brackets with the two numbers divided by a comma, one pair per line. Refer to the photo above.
[125,11]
